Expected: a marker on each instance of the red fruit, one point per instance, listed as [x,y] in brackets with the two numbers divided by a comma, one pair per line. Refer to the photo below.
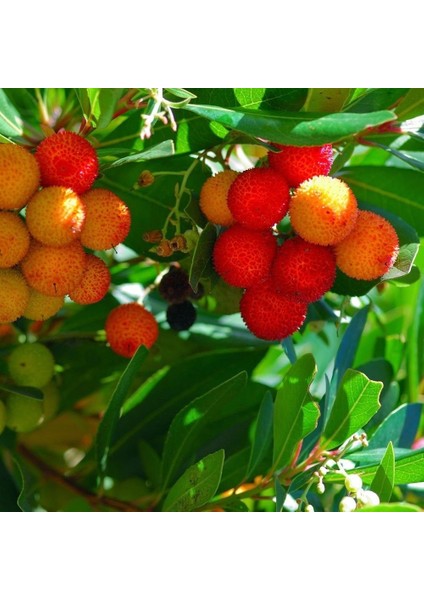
[304,270]
[269,315]
[299,163]
[68,160]
[259,198]
[242,256]
[129,326]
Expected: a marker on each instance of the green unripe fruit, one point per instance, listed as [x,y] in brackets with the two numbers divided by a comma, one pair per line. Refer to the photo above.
[23,413]
[2,417]
[31,364]
[51,400]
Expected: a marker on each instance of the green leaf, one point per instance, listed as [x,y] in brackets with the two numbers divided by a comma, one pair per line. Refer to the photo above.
[412,105]
[356,402]
[150,462]
[8,491]
[297,129]
[396,190]
[188,427]
[326,100]
[152,417]
[408,469]
[253,98]
[280,495]
[384,479]
[345,356]
[377,99]
[201,262]
[295,413]
[161,150]
[98,105]
[111,416]
[10,120]
[197,485]
[263,435]
[392,507]
[23,390]
[400,427]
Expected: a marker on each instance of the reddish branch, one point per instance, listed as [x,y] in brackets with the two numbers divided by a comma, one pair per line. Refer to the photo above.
[94,500]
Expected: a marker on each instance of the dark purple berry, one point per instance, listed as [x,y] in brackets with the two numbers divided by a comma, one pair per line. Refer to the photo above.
[181,316]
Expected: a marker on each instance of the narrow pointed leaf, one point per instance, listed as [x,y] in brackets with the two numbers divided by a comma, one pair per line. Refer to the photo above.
[384,479]
[295,413]
[188,427]
[298,129]
[263,434]
[356,402]
[197,485]
[111,416]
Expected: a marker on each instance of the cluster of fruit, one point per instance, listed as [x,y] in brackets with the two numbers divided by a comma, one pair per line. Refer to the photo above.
[42,256]
[327,231]
[29,364]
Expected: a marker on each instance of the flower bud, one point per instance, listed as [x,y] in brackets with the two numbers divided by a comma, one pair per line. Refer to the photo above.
[309,508]
[347,504]
[353,483]
[320,487]
[367,498]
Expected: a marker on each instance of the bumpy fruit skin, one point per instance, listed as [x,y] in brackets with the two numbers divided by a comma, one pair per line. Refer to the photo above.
[14,295]
[2,416]
[370,249]
[55,216]
[181,316]
[23,414]
[297,164]
[19,176]
[107,220]
[243,257]
[174,285]
[41,307]
[259,198]
[14,239]
[304,270]
[31,364]
[213,198]
[323,210]
[130,326]
[54,271]
[94,284]
[269,315]
[68,160]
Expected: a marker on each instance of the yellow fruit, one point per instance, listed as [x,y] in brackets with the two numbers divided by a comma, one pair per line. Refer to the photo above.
[213,198]
[19,176]
[14,295]
[370,249]
[55,216]
[31,364]
[54,271]
[23,413]
[107,220]
[14,239]
[41,307]
[94,283]
[323,210]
